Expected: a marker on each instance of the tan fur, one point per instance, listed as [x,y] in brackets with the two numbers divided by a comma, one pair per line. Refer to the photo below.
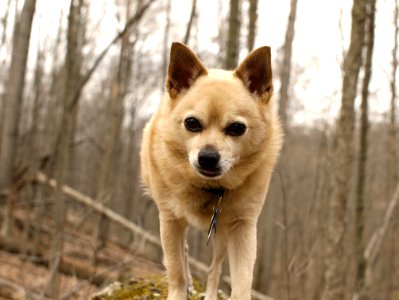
[217,98]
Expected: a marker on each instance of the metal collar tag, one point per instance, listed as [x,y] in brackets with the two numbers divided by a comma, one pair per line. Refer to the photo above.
[216,211]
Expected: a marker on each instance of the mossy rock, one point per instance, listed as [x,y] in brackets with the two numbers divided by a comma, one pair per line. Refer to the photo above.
[151,288]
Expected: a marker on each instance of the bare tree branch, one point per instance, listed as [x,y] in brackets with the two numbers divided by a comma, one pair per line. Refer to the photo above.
[190,22]
[86,77]
[374,245]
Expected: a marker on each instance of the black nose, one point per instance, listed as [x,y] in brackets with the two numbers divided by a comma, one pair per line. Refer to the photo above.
[208,158]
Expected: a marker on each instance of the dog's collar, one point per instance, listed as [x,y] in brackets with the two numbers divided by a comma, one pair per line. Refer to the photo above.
[219,192]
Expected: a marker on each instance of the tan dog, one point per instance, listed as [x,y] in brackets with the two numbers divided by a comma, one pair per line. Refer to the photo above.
[212,145]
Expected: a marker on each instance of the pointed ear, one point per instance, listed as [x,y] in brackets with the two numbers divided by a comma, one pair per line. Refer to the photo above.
[184,68]
[256,72]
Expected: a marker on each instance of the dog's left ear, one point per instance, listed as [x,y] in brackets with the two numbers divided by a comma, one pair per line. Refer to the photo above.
[184,68]
[256,73]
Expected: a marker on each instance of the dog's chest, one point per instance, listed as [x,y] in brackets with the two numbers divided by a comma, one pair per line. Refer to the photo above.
[198,207]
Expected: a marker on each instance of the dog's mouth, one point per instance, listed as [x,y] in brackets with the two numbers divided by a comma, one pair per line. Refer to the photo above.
[210,173]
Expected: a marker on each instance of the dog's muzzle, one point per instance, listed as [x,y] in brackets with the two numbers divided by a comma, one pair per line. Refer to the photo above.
[208,161]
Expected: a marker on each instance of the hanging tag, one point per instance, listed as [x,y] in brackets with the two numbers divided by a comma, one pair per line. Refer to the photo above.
[214,219]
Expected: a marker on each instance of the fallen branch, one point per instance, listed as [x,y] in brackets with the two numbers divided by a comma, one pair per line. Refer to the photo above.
[11,291]
[74,194]
[374,245]
[113,216]
[67,266]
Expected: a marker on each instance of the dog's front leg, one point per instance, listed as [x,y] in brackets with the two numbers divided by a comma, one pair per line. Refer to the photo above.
[241,248]
[190,284]
[173,240]
[215,270]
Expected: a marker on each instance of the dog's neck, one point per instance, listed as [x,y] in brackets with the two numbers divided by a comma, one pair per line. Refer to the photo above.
[219,192]
[211,196]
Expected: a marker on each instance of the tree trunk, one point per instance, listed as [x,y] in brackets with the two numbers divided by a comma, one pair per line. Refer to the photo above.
[286,65]
[109,163]
[53,113]
[131,168]
[4,23]
[335,249]
[15,90]
[253,16]
[360,291]
[190,22]
[166,45]
[72,65]
[233,38]
[393,176]
[392,143]
[32,148]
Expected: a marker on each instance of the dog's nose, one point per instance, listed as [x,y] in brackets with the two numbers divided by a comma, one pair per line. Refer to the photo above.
[208,158]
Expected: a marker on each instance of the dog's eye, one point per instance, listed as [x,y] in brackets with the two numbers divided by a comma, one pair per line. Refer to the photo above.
[192,124]
[236,129]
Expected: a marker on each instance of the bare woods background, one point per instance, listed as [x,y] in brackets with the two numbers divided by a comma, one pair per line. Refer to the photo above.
[71,208]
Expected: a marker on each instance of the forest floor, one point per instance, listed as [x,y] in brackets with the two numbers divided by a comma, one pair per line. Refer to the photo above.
[83,271]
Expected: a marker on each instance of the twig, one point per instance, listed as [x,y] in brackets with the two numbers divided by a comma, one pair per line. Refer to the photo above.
[135,19]
[374,245]
[9,289]
[41,178]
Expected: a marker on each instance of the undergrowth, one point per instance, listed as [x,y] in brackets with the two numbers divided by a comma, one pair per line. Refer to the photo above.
[151,288]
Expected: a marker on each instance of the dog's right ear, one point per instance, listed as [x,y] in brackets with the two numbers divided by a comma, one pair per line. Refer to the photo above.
[256,73]
[184,68]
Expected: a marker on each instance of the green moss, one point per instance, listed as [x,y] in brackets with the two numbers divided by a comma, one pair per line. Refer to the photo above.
[151,288]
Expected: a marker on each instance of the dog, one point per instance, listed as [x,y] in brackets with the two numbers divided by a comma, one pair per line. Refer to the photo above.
[207,157]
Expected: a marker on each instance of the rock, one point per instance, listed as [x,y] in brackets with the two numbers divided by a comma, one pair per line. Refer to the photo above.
[151,288]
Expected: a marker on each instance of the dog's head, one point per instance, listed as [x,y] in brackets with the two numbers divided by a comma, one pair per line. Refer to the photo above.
[220,123]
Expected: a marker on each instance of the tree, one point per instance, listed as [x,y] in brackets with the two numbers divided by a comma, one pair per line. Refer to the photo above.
[253,16]
[166,42]
[190,22]
[343,147]
[233,38]
[285,71]
[72,65]
[118,92]
[360,292]
[393,174]
[15,88]
[4,22]
[392,148]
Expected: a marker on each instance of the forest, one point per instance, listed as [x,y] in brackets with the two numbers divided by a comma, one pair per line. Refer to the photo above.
[79,79]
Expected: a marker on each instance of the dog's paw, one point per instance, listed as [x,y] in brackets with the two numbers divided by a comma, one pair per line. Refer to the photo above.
[190,289]
[177,295]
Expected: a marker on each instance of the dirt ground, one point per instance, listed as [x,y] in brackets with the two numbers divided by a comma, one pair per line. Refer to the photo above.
[28,274]
[32,278]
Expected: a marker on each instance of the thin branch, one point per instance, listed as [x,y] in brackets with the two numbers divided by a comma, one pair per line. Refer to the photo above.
[190,22]
[374,245]
[86,77]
